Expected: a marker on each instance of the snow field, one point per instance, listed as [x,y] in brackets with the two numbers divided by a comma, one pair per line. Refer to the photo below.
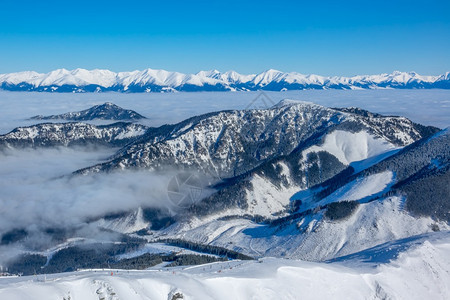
[421,272]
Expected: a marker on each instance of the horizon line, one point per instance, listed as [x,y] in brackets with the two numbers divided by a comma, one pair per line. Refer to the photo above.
[220,72]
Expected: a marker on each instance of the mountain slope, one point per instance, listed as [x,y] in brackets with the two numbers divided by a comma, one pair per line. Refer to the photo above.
[70,134]
[149,80]
[230,143]
[106,111]
[403,195]
[265,156]
[293,203]
[420,172]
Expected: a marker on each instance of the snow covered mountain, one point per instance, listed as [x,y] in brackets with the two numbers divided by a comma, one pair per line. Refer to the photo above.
[106,111]
[70,134]
[231,143]
[404,194]
[77,133]
[338,182]
[149,80]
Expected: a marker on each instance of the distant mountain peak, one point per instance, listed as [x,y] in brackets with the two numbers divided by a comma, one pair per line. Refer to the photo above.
[105,111]
[271,71]
[107,105]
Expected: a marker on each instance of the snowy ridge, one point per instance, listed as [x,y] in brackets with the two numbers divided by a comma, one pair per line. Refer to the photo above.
[74,133]
[149,80]
[229,143]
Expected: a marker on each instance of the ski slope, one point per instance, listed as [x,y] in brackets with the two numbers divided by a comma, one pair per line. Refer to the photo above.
[351,147]
[415,268]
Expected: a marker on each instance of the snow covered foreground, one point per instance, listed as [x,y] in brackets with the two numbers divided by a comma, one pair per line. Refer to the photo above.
[413,268]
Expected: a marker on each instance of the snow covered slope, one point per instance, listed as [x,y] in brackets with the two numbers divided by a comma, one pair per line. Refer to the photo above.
[417,268]
[309,236]
[350,147]
[419,171]
[405,194]
[69,134]
[230,143]
[325,142]
[149,80]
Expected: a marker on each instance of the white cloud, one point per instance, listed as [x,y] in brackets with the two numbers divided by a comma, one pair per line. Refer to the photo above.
[37,190]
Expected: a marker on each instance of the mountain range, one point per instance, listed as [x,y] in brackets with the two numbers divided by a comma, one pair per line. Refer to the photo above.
[149,80]
[295,180]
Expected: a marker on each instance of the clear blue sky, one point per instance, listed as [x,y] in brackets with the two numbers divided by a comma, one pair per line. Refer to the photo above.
[320,37]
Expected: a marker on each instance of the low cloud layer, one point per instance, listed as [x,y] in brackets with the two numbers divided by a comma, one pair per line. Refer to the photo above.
[429,107]
[37,193]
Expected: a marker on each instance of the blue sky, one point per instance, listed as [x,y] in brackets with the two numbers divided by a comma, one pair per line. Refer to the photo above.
[320,37]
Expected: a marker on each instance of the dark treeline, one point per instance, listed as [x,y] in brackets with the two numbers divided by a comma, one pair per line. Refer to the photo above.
[340,210]
[194,259]
[102,256]
[429,194]
[148,260]
[224,252]
[96,255]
